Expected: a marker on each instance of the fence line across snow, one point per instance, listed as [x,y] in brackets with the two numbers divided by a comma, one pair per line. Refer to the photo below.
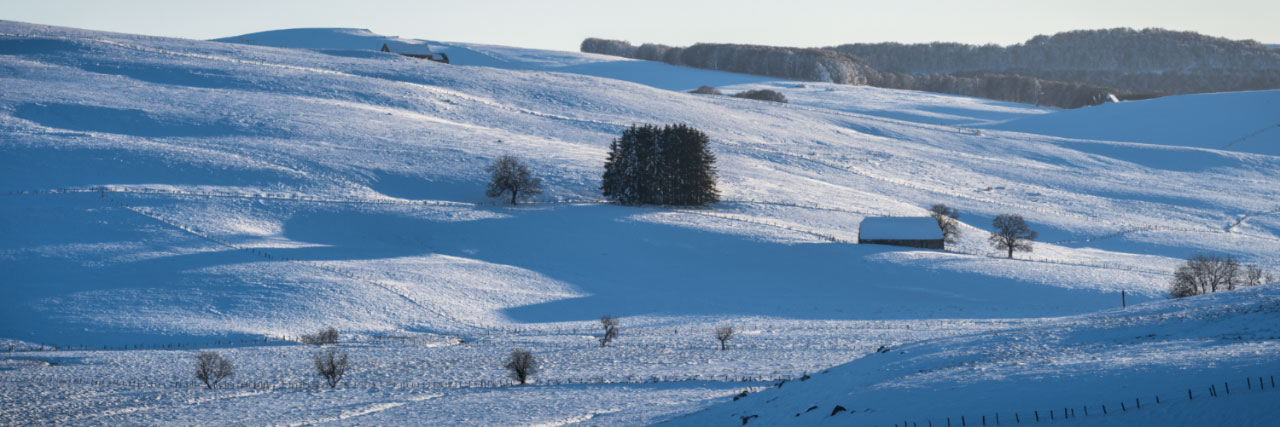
[1077,411]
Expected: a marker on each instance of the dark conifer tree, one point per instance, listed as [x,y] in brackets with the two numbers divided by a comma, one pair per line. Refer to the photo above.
[672,165]
[645,175]
[693,175]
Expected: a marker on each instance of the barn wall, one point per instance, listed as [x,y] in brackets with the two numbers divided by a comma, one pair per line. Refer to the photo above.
[923,244]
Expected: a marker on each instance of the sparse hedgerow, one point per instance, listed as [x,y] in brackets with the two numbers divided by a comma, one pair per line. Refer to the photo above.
[324,336]
[1204,274]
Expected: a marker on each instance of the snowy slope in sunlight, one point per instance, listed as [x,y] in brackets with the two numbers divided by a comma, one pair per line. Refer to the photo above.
[363,43]
[1156,352]
[1247,122]
[163,196]
[235,197]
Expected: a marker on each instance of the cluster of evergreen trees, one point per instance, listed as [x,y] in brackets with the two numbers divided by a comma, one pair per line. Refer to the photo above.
[669,165]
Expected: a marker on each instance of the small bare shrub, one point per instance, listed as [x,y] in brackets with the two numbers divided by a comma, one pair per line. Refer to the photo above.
[325,336]
[522,365]
[724,334]
[212,368]
[610,329]
[762,95]
[706,90]
[331,365]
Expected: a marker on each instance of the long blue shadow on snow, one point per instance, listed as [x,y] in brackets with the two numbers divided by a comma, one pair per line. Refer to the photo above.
[26,168]
[630,267]
[125,121]
[56,267]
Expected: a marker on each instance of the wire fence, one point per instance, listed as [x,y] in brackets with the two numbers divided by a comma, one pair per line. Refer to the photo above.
[1082,412]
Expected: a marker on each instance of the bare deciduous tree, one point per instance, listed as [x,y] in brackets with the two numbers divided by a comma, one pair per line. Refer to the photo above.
[1202,274]
[212,368]
[610,326]
[331,365]
[947,221]
[509,174]
[724,334]
[1254,276]
[522,365]
[1011,234]
[325,336]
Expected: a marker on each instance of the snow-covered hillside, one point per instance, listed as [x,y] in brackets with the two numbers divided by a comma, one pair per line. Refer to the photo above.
[167,194]
[1238,121]
[1148,365]
[364,43]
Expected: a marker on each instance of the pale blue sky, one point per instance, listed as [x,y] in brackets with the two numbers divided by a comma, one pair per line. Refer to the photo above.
[563,24]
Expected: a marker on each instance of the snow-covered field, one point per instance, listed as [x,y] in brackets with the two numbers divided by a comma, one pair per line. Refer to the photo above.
[1236,121]
[164,195]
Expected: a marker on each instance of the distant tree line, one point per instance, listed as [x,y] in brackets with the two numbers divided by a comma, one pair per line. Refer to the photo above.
[1068,70]
[825,65]
[785,62]
[1136,61]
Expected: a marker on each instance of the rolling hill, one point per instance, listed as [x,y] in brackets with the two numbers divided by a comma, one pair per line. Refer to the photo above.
[1236,121]
[166,195]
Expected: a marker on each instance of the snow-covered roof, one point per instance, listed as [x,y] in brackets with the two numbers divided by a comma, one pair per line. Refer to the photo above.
[899,228]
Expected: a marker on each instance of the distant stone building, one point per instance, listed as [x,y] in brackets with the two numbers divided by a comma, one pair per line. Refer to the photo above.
[914,232]
[423,54]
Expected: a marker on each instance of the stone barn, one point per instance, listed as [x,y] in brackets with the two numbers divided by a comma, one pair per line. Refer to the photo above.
[912,232]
